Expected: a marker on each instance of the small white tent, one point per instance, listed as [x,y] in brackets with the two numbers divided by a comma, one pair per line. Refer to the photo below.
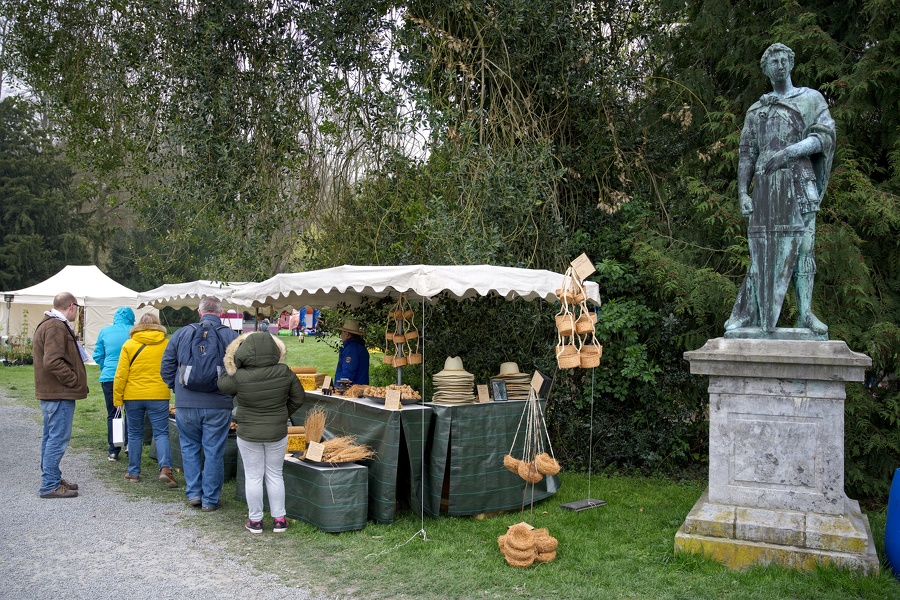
[99,295]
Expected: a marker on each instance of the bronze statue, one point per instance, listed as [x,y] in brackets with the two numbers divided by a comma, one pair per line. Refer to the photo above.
[786,149]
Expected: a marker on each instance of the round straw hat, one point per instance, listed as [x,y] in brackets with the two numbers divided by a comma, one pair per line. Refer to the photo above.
[352,326]
[509,368]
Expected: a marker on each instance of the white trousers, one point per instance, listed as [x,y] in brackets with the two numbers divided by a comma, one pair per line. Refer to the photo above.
[263,460]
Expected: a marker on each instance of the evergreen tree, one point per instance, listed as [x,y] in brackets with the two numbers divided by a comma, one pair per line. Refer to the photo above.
[42,228]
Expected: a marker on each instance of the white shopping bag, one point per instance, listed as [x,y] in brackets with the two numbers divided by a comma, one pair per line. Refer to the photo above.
[118,429]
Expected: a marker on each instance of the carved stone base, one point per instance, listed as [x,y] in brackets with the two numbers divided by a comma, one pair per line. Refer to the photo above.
[776,456]
[740,537]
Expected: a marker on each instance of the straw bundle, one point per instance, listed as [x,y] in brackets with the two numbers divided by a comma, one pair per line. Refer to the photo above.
[511,463]
[519,555]
[520,563]
[296,429]
[545,557]
[546,464]
[520,537]
[501,541]
[315,425]
[544,542]
[303,370]
[344,449]
[529,473]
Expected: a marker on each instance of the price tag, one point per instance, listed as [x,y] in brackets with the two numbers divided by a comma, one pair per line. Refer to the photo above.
[483,395]
[583,266]
[537,381]
[326,383]
[392,400]
[314,451]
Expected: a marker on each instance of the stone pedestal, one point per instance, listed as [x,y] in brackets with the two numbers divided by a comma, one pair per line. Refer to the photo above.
[776,457]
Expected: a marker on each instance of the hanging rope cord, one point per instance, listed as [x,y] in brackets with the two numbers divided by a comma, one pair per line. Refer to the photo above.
[421,532]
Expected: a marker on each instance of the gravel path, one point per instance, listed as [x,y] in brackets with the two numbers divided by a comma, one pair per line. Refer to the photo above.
[103,545]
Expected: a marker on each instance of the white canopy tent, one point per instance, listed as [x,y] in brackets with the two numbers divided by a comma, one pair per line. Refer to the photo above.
[96,292]
[178,295]
[352,284]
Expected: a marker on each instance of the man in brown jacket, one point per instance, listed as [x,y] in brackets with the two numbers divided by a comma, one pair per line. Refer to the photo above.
[59,380]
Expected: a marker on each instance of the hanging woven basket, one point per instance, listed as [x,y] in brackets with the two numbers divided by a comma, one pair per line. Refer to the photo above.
[388,359]
[568,356]
[590,355]
[400,361]
[565,323]
[546,464]
[585,323]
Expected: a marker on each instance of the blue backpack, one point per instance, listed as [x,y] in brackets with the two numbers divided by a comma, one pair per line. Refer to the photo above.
[200,369]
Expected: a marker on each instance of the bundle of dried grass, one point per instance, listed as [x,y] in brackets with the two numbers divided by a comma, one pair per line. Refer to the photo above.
[529,472]
[315,425]
[544,542]
[522,546]
[344,449]
[511,463]
[546,464]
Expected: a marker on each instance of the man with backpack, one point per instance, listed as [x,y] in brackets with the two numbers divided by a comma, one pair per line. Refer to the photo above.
[191,366]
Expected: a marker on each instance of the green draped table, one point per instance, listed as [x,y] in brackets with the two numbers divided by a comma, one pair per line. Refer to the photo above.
[464,466]
[332,498]
[398,438]
[231,450]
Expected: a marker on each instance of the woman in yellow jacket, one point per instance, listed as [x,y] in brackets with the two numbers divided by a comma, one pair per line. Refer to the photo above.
[140,388]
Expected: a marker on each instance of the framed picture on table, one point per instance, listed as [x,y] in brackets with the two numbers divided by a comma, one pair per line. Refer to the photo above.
[499,390]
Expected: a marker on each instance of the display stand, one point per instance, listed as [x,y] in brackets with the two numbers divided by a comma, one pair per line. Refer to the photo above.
[332,498]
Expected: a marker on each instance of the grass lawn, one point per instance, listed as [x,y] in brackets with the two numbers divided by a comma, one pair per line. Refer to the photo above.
[623,550]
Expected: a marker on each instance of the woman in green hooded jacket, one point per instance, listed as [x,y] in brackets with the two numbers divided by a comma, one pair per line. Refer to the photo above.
[266,393]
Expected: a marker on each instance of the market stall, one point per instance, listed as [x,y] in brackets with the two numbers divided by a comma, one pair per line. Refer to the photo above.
[461,447]
[398,438]
[464,467]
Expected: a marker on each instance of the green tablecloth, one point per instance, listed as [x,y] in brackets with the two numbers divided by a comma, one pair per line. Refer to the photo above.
[468,443]
[397,437]
[231,450]
[332,499]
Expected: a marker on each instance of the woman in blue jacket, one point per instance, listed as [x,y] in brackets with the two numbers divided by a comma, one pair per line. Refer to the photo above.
[106,355]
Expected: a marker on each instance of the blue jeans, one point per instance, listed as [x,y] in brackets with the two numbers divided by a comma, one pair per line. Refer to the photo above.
[203,430]
[158,413]
[58,416]
[107,387]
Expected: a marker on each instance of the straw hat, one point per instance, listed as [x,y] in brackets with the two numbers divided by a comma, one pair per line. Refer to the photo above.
[453,367]
[352,326]
[509,368]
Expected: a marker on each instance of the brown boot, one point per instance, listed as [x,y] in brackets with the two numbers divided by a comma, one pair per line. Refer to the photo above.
[165,474]
[61,492]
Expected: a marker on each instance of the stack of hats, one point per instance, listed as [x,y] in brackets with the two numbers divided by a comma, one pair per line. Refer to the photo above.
[453,385]
[517,384]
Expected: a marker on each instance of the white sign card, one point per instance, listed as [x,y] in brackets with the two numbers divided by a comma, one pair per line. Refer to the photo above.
[314,451]
[537,380]
[583,267]
[392,400]
[483,395]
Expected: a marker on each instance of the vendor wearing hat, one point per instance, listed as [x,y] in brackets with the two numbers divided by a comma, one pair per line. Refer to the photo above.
[353,362]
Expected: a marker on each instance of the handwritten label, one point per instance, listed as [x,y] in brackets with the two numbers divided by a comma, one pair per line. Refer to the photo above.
[326,383]
[583,266]
[314,451]
[483,395]
[392,400]
[537,381]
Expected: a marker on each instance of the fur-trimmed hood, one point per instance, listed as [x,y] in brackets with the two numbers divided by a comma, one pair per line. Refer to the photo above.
[255,349]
